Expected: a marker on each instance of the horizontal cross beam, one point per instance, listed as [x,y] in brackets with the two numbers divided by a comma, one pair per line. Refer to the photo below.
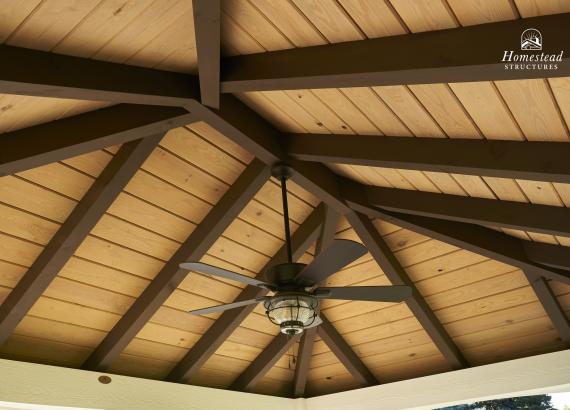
[61,139]
[421,58]
[30,72]
[546,219]
[534,160]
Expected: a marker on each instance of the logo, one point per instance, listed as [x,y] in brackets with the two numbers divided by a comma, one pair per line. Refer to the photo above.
[531,39]
[531,57]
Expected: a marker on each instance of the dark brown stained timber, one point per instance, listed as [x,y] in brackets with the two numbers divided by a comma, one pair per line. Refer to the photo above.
[224,326]
[303,360]
[345,354]
[265,361]
[398,276]
[422,58]
[550,304]
[57,140]
[326,236]
[244,126]
[207,28]
[30,72]
[74,230]
[548,254]
[474,238]
[536,160]
[171,275]
[546,219]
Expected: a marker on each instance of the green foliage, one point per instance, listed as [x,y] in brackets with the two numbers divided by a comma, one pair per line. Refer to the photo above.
[539,402]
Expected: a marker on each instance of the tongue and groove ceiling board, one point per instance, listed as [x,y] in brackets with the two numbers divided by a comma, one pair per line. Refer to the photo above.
[488,308]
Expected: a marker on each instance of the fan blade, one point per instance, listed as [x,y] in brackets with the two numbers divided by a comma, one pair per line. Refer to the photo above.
[215,271]
[370,293]
[317,322]
[339,254]
[227,306]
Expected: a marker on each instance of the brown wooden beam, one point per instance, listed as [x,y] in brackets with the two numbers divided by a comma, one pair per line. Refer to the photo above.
[57,140]
[207,30]
[225,325]
[326,236]
[345,354]
[421,58]
[265,361]
[474,238]
[534,160]
[548,254]
[549,302]
[553,220]
[303,360]
[171,275]
[397,275]
[29,72]
[74,230]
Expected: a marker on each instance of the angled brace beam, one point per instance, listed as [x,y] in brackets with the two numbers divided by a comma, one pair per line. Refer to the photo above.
[224,326]
[420,58]
[265,361]
[74,230]
[171,275]
[398,276]
[36,146]
[345,354]
[207,29]
[549,302]
[328,231]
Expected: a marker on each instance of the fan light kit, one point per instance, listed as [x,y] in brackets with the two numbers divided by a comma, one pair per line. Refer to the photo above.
[295,303]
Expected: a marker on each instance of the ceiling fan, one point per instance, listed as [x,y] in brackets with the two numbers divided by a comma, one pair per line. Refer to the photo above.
[295,303]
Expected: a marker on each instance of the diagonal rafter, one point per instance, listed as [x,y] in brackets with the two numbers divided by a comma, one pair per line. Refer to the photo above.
[171,275]
[419,58]
[549,302]
[326,236]
[534,160]
[398,276]
[553,220]
[74,230]
[345,354]
[207,15]
[224,326]
[265,361]
[30,72]
[30,147]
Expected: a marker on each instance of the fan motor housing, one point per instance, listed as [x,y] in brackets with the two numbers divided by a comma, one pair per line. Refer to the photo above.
[284,275]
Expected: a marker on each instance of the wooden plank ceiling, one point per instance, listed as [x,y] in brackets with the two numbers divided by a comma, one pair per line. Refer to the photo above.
[488,308]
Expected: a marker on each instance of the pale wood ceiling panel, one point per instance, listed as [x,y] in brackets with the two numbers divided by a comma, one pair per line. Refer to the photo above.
[375,18]
[531,8]
[425,15]
[485,105]
[482,11]
[534,109]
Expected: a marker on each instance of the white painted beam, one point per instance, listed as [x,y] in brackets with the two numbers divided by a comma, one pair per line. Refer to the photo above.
[57,386]
[547,373]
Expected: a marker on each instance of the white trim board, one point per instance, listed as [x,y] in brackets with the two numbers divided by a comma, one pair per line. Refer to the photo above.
[57,386]
[546,373]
